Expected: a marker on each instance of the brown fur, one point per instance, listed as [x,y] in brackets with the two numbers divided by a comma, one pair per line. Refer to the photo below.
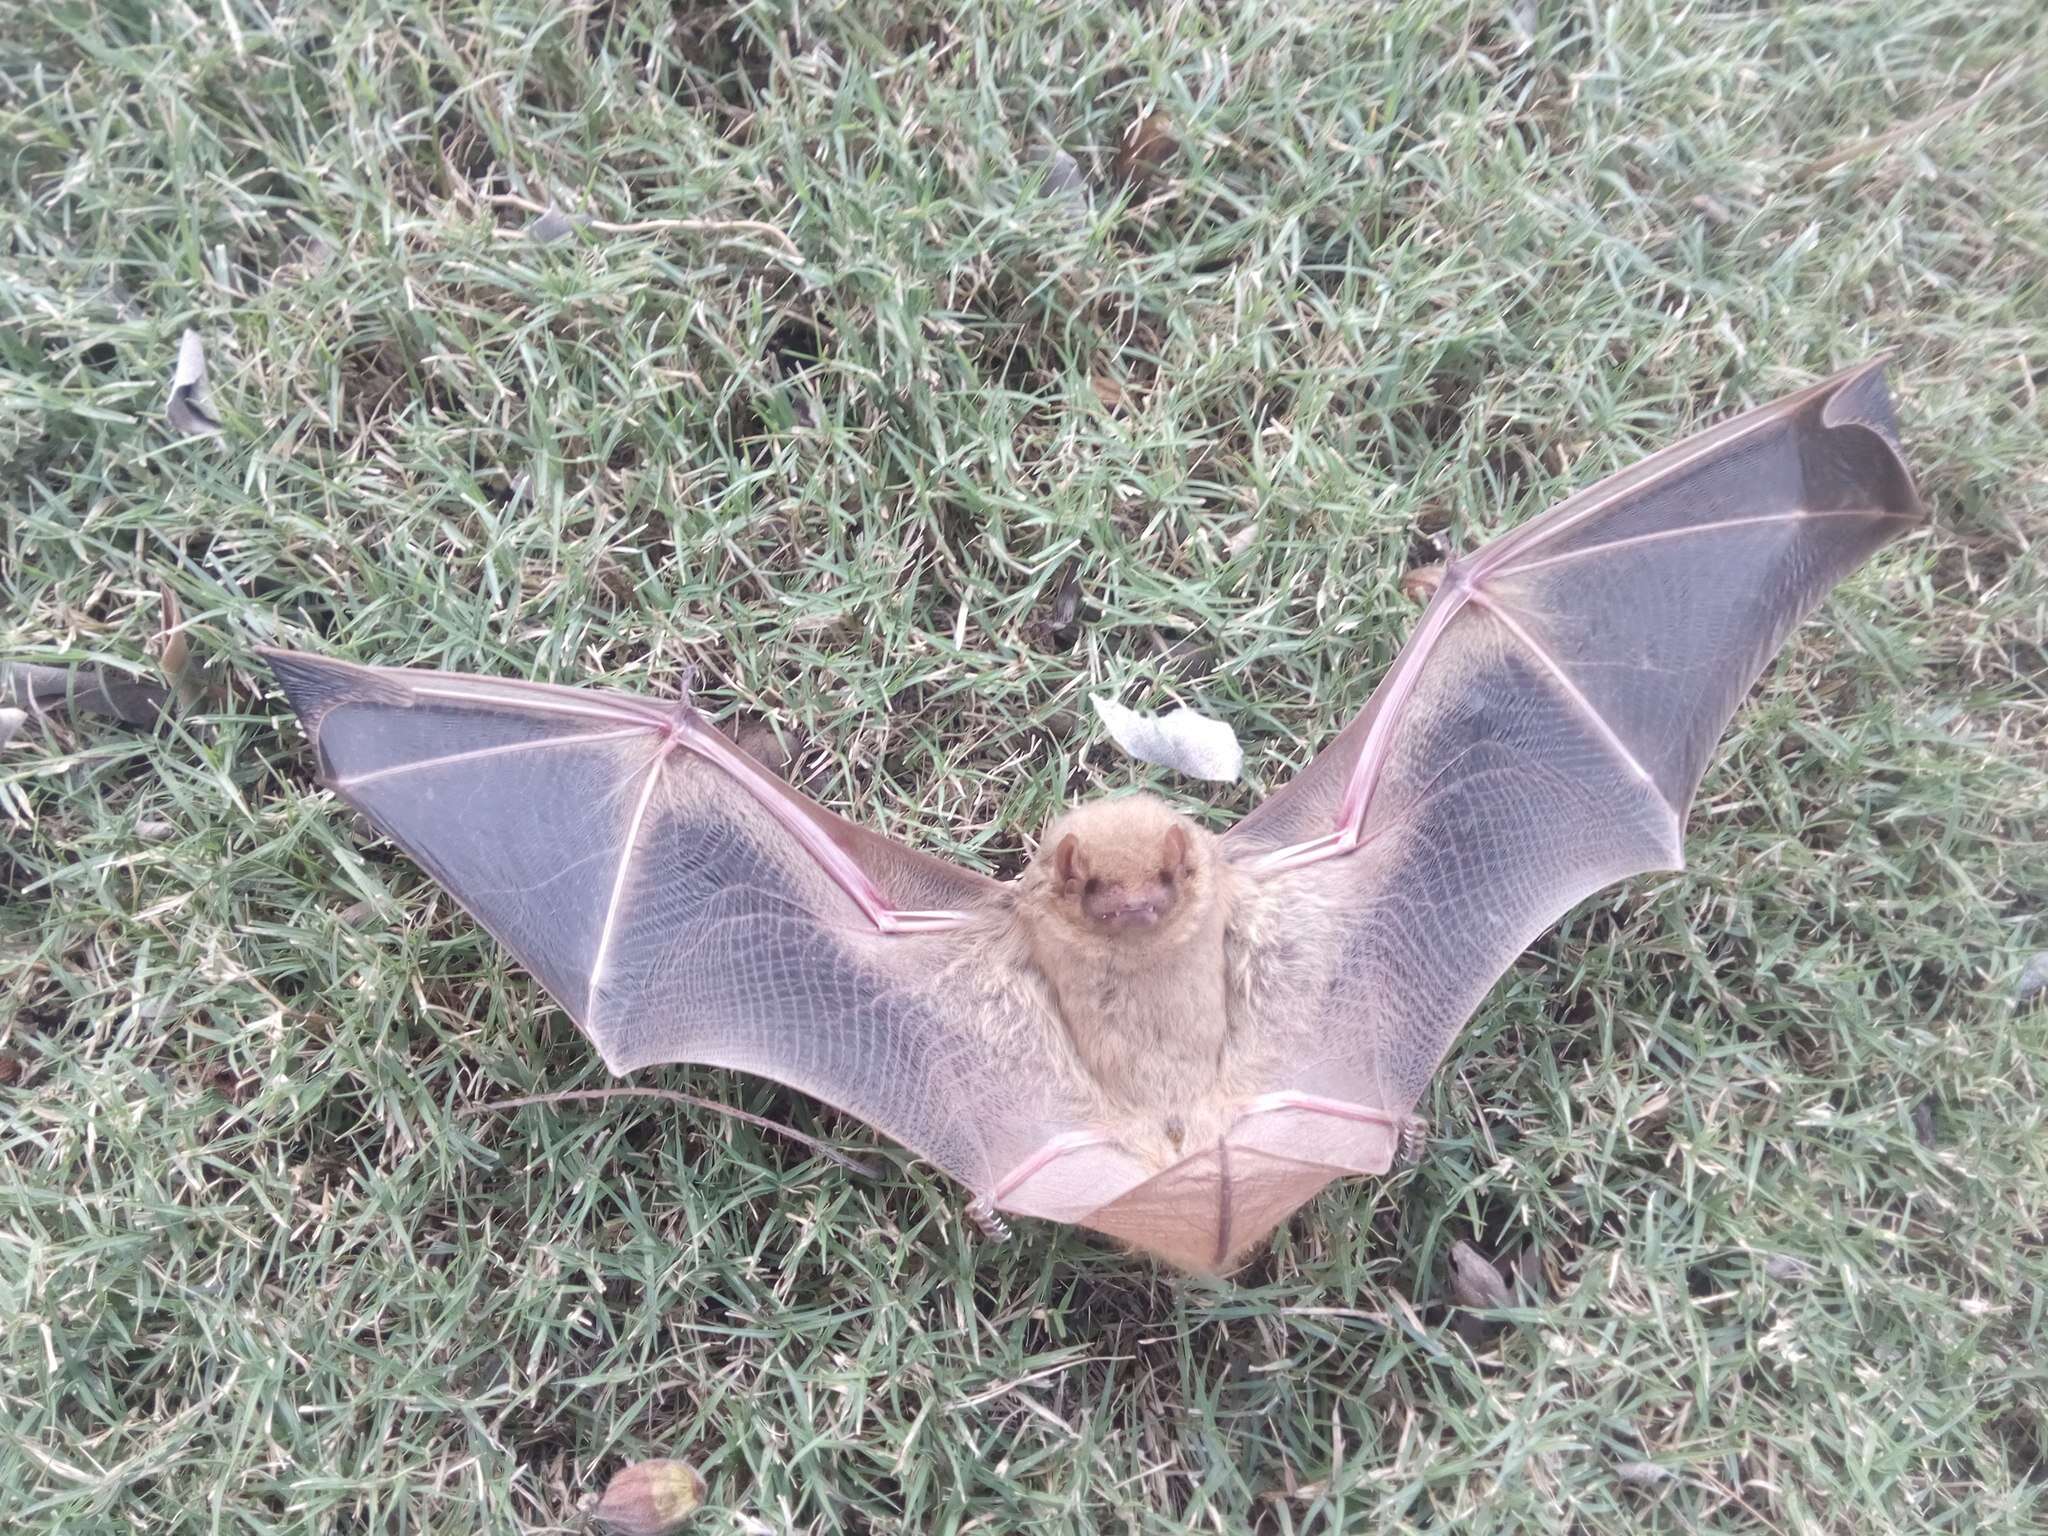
[1146,1008]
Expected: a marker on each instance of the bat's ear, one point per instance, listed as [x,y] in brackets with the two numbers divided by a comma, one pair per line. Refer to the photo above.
[1067,862]
[1177,849]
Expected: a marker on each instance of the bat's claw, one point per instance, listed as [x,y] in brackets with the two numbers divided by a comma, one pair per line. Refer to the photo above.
[1414,1142]
[991,1226]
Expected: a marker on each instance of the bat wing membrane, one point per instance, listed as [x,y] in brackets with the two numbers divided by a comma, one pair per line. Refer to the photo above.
[1542,732]
[684,905]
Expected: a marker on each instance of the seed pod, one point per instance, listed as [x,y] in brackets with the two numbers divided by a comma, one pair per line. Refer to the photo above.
[1149,143]
[650,1498]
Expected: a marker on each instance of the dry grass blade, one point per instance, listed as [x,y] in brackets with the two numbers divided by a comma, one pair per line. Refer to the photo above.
[691,1100]
[1992,82]
[551,223]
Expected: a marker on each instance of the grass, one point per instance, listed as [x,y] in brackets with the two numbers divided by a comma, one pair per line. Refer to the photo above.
[906,480]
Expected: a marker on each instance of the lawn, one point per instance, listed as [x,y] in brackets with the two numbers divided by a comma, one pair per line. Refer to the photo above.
[912,372]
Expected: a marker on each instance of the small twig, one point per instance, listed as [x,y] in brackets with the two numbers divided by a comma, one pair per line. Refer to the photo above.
[657,226]
[844,1160]
[1885,140]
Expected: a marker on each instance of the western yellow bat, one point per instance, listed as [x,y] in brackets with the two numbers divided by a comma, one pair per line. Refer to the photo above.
[1169,1036]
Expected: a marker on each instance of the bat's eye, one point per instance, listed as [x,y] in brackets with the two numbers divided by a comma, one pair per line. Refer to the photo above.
[1168,875]
[1092,887]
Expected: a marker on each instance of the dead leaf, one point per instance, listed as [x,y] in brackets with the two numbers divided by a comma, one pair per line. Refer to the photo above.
[1786,1270]
[37,689]
[1643,1474]
[650,1498]
[1712,209]
[304,259]
[1063,178]
[10,722]
[1066,600]
[229,1084]
[763,743]
[1923,1122]
[1149,143]
[1475,1280]
[174,655]
[1058,629]
[1523,18]
[550,226]
[2033,982]
[1186,740]
[188,409]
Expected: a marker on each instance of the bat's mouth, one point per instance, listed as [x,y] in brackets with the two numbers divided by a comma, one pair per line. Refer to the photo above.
[1134,917]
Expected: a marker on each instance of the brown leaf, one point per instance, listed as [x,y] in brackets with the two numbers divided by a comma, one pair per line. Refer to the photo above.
[1712,209]
[1059,628]
[760,741]
[174,655]
[1149,143]
[229,1084]
[1475,1282]
[650,1498]
[1923,1122]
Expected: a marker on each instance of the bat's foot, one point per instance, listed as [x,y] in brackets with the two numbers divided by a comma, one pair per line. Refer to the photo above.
[1414,1142]
[991,1226]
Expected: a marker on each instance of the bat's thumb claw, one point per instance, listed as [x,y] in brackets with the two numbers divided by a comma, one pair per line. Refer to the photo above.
[991,1226]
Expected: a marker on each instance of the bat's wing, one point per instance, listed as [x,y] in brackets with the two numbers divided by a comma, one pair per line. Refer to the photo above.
[1543,730]
[684,904]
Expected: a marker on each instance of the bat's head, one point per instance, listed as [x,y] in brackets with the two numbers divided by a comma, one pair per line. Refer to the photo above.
[1127,866]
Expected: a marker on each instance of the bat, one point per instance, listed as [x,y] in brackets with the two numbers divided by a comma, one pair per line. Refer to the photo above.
[1167,1035]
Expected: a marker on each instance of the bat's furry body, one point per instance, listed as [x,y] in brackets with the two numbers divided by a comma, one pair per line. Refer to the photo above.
[1147,1011]
[1169,1036]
